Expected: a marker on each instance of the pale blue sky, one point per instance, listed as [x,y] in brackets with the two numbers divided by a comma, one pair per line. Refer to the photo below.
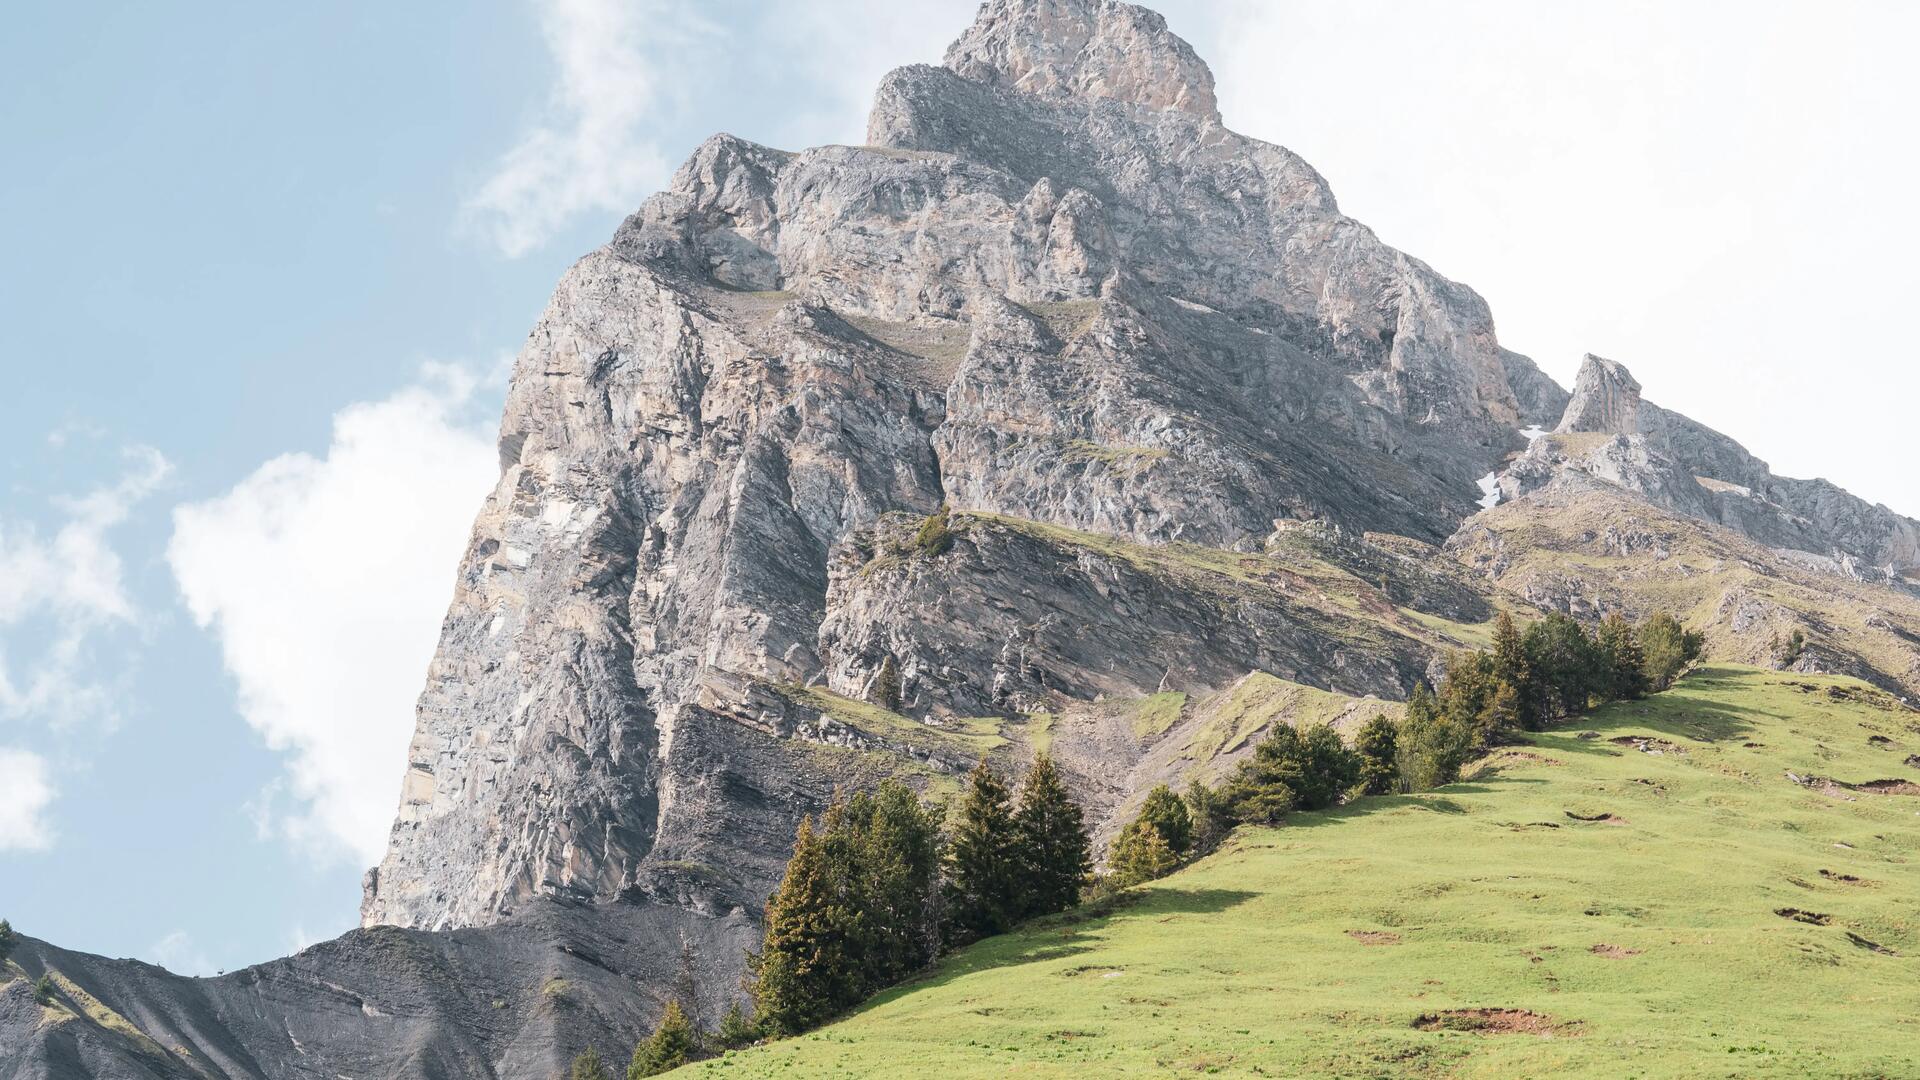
[238,231]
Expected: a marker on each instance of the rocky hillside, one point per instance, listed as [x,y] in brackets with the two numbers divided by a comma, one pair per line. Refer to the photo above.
[1094,419]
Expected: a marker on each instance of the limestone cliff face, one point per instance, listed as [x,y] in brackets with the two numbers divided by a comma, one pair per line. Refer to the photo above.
[1054,288]
[1687,466]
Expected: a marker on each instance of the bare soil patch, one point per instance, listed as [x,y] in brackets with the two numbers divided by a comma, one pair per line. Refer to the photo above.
[1648,745]
[1374,937]
[1492,1022]
[1614,952]
[1598,819]
[1838,789]
[1870,946]
[1844,879]
[1811,918]
[1880,742]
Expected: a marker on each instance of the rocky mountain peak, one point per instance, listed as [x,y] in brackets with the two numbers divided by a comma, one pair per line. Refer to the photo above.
[1606,399]
[1087,49]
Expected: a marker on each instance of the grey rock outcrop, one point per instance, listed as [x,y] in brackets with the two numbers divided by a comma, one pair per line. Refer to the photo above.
[1611,433]
[1054,288]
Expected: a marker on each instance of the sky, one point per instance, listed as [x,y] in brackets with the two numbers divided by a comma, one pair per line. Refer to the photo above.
[264,267]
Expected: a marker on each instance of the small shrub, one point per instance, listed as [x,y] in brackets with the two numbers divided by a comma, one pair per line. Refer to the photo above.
[43,989]
[935,537]
[736,1030]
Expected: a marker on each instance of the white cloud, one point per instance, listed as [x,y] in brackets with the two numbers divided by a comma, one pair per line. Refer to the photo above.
[325,580]
[59,593]
[178,953]
[25,793]
[592,151]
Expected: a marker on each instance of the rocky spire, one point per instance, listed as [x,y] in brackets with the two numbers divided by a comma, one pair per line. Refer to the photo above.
[1606,399]
[1085,48]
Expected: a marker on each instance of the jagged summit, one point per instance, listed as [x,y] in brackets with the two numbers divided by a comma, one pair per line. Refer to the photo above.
[1606,398]
[1085,48]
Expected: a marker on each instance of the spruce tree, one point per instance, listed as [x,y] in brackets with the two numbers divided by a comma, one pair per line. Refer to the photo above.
[1432,745]
[1378,747]
[1165,812]
[736,1030]
[803,972]
[1509,662]
[8,941]
[1669,649]
[1140,853]
[1211,817]
[1503,715]
[673,1043]
[894,843]
[1291,769]
[1055,856]
[983,888]
[588,1066]
[1626,662]
[886,685]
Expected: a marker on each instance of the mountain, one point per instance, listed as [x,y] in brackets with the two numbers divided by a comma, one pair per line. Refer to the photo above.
[1096,421]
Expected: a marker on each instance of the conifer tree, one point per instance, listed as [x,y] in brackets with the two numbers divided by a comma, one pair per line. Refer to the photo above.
[673,1043]
[1669,648]
[8,940]
[886,685]
[1378,747]
[983,890]
[1140,853]
[1211,817]
[804,972]
[1432,746]
[894,844]
[1509,662]
[588,1066]
[736,1030]
[1626,663]
[1165,812]
[1054,854]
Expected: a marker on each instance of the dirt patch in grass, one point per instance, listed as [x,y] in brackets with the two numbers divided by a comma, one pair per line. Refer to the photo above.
[1614,952]
[1880,742]
[1374,937]
[1602,818]
[1913,761]
[1844,879]
[1492,1022]
[1838,789]
[1811,918]
[1649,745]
[1870,946]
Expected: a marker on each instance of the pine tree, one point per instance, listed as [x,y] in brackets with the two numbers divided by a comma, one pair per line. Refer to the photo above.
[1165,812]
[1432,746]
[1503,716]
[803,972]
[1212,818]
[8,940]
[1292,769]
[894,843]
[1567,664]
[736,1030]
[1509,662]
[1626,675]
[1669,648]
[886,685]
[674,1043]
[588,1066]
[1140,853]
[1055,856]
[1378,747]
[43,989]
[983,890]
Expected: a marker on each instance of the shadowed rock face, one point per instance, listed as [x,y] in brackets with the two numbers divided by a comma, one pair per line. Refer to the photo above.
[1054,288]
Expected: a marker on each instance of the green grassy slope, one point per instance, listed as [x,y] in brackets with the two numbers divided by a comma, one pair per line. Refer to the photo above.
[1646,943]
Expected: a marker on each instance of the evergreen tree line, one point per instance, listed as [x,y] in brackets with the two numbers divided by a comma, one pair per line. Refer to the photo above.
[875,889]
[1554,670]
